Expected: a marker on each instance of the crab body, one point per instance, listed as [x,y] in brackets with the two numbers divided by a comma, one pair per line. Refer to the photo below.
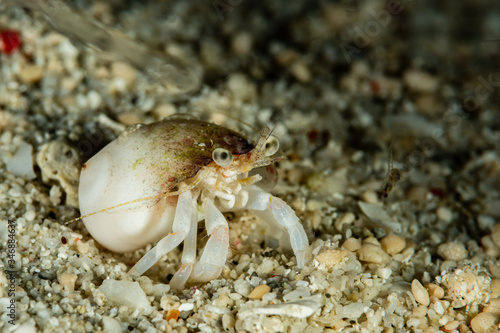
[144,161]
[148,184]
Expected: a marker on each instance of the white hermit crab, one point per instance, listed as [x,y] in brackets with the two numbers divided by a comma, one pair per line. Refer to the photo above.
[157,181]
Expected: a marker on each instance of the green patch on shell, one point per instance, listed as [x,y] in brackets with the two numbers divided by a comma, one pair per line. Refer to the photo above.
[137,162]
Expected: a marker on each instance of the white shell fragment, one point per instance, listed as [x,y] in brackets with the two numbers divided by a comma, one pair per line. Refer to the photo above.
[111,325]
[126,293]
[415,124]
[452,251]
[299,309]
[21,164]
[59,161]
[485,322]
[378,216]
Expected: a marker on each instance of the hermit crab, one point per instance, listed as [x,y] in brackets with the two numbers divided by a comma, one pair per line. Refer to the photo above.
[155,182]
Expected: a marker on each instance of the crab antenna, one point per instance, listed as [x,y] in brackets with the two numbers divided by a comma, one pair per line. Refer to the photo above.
[121,205]
[267,161]
[113,207]
[389,161]
[237,119]
[264,135]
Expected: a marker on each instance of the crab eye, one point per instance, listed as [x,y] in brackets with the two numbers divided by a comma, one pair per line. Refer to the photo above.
[271,146]
[222,157]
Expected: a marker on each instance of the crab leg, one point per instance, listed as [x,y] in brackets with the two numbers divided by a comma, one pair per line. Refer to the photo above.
[274,210]
[180,229]
[214,255]
[188,254]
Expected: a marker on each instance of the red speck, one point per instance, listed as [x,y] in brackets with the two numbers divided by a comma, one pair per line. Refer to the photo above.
[271,169]
[236,242]
[437,192]
[375,87]
[10,41]
[171,179]
[77,239]
[313,135]
[193,290]
[64,240]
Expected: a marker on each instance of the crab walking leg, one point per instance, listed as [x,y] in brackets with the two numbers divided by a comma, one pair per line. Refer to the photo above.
[188,254]
[275,210]
[180,229]
[214,255]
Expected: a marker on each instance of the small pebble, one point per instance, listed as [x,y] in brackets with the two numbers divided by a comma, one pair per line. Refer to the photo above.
[186,307]
[129,119]
[450,326]
[30,215]
[444,214]
[490,249]
[227,322]
[495,235]
[369,196]
[259,291]
[373,254]
[392,244]
[371,240]
[420,311]
[126,293]
[68,281]
[124,71]
[439,308]
[495,269]
[346,218]
[242,287]
[435,290]
[331,258]
[31,74]
[495,288]
[417,194]
[164,110]
[485,222]
[242,43]
[418,81]
[384,272]
[301,71]
[452,251]
[111,325]
[420,293]
[493,306]
[352,244]
[485,322]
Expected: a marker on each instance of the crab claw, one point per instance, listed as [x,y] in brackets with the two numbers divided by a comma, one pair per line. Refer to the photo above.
[276,212]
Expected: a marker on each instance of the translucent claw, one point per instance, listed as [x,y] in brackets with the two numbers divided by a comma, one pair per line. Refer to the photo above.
[181,276]
[214,256]
[164,246]
[276,212]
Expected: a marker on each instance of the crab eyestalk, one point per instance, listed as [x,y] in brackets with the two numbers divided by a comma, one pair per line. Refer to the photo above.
[265,148]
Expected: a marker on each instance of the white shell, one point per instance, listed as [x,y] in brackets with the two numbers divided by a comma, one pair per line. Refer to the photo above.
[102,185]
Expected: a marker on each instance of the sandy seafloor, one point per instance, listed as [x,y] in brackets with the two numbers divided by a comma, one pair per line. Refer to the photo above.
[342,84]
